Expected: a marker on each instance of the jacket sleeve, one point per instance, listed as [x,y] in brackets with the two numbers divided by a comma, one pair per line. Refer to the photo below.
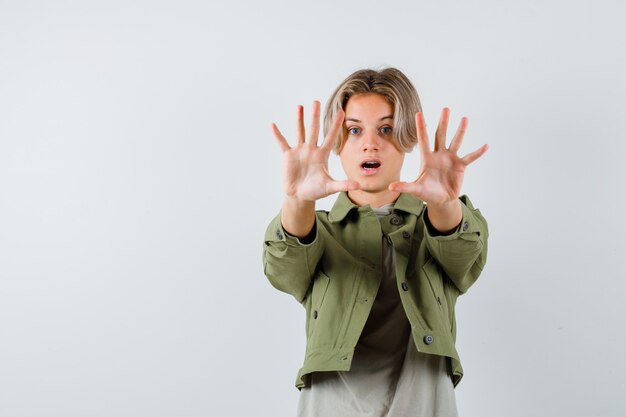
[462,254]
[289,264]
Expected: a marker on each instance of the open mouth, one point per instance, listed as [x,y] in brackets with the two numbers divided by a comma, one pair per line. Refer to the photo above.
[370,164]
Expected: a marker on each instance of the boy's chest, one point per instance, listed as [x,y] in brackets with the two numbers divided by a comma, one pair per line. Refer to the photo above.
[356,249]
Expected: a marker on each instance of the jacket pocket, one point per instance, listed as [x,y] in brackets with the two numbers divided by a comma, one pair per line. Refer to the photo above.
[316,300]
[435,280]
[320,285]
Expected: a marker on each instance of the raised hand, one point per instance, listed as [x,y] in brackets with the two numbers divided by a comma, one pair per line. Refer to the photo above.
[441,173]
[306,164]
[442,170]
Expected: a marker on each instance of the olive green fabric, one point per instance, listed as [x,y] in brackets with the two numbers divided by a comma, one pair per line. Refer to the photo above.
[337,275]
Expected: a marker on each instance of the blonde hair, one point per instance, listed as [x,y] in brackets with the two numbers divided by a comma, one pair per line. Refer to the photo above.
[395,87]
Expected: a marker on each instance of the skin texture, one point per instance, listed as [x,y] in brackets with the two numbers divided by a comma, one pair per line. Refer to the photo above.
[441,173]
[305,165]
[369,126]
[305,168]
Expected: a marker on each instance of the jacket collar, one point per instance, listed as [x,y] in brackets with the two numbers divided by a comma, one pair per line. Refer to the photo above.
[406,202]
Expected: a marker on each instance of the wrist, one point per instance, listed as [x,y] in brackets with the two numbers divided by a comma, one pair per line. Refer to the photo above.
[299,203]
[298,217]
[448,206]
[445,217]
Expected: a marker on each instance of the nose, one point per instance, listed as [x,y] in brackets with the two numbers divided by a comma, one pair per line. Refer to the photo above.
[370,142]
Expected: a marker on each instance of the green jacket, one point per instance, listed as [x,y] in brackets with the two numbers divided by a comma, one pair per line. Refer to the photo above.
[336,277]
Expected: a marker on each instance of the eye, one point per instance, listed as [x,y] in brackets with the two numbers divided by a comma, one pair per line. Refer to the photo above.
[354,130]
[386,130]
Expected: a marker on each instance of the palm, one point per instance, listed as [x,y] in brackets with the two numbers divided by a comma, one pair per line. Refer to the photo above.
[306,164]
[442,170]
[306,172]
[441,177]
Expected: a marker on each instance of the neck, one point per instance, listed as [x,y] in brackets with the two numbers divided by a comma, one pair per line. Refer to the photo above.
[374,199]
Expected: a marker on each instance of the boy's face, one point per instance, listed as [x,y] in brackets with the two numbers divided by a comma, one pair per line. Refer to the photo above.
[369,155]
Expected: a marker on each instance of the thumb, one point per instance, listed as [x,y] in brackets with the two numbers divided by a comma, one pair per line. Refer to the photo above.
[333,187]
[406,187]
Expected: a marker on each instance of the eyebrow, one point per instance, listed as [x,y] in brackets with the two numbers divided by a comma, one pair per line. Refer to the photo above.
[350,119]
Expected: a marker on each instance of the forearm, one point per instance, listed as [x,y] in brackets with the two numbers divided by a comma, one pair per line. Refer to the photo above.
[462,254]
[445,217]
[298,217]
[288,263]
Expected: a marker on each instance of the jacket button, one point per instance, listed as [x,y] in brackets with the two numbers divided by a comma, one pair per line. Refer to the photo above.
[405,286]
[406,234]
[314,314]
[465,226]
[429,340]
[279,235]
[395,220]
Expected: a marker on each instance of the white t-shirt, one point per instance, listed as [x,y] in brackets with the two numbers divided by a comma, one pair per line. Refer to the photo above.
[388,376]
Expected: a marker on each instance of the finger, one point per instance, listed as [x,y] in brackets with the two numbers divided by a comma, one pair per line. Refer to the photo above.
[458,136]
[442,128]
[333,133]
[333,187]
[300,124]
[471,157]
[314,130]
[422,134]
[282,142]
[406,187]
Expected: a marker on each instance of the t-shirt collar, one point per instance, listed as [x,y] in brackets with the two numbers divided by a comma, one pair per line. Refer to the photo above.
[406,203]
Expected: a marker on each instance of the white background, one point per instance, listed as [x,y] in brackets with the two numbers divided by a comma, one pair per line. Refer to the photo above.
[138,174]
